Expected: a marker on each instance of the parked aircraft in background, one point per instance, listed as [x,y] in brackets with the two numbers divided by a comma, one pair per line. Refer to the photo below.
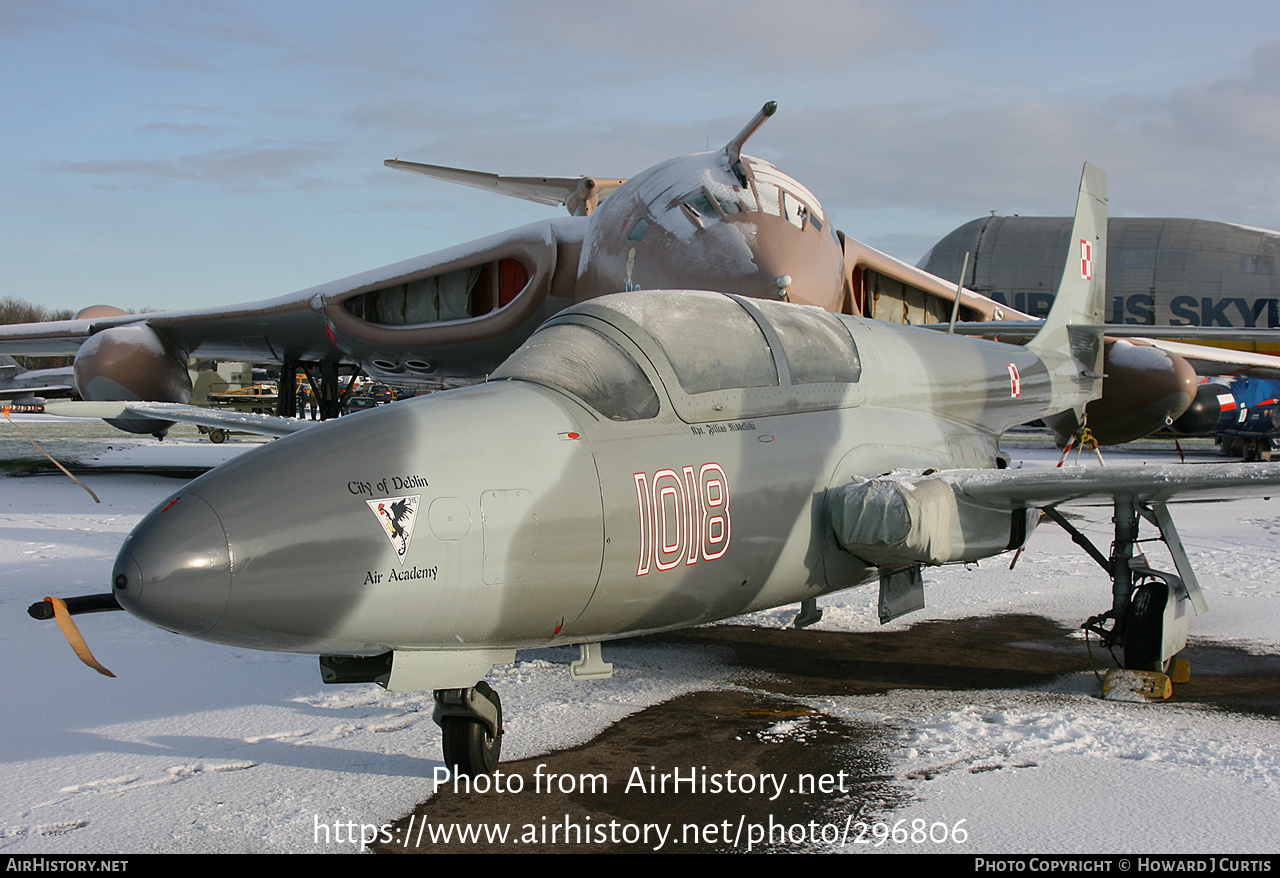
[19,386]
[720,221]
[1240,411]
[662,475]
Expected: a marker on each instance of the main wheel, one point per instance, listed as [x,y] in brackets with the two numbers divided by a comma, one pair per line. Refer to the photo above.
[469,747]
[1144,628]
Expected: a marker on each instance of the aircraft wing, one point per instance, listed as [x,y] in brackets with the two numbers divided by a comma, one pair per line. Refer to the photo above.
[393,314]
[245,422]
[1078,485]
[1195,344]
[909,517]
[864,264]
[1208,360]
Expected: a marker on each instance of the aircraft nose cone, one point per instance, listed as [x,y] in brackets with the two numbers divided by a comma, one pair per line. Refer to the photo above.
[807,267]
[174,570]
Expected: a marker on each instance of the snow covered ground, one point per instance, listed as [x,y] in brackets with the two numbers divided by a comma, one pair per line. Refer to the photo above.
[196,747]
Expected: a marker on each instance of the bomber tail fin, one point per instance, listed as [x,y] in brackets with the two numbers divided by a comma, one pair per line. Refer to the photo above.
[1070,341]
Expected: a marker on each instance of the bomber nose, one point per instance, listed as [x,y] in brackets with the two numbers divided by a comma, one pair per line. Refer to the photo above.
[174,570]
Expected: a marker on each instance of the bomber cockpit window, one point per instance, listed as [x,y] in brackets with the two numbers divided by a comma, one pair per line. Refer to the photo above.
[794,210]
[746,198]
[703,203]
[782,196]
[588,365]
[770,199]
[700,204]
[699,208]
[728,205]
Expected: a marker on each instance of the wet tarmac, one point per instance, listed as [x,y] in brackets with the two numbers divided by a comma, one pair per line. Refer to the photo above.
[732,733]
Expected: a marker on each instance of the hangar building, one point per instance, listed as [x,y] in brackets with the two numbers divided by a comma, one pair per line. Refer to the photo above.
[1160,271]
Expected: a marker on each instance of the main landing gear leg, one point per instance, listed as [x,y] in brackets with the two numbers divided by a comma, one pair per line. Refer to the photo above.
[329,391]
[1148,617]
[470,723]
[287,387]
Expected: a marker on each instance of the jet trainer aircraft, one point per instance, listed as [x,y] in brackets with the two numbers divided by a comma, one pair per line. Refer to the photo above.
[720,221]
[664,476]
[23,387]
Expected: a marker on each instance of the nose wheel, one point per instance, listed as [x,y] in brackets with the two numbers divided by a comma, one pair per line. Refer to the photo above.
[1144,628]
[470,723]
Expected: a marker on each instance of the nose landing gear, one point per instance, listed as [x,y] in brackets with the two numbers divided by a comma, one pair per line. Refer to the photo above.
[470,723]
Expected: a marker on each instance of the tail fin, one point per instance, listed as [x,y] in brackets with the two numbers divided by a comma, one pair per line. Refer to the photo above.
[1070,342]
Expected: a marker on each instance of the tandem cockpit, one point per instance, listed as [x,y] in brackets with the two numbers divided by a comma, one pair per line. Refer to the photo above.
[705,357]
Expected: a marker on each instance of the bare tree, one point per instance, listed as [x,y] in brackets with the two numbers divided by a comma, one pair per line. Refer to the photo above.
[14,310]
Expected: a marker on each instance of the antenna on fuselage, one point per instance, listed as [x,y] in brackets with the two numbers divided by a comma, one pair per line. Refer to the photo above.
[733,149]
[955,306]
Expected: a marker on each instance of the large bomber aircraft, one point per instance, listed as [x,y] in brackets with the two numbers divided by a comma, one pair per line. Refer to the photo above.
[627,471]
[720,221]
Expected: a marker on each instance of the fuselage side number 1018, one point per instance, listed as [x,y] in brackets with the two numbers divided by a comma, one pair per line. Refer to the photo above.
[684,516]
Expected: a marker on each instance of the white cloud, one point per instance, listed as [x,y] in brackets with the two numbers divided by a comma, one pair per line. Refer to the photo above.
[238,170]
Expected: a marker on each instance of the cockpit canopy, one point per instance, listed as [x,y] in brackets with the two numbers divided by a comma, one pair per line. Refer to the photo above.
[710,356]
[766,191]
[588,365]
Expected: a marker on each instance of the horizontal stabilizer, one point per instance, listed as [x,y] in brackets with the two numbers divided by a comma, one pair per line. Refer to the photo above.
[1223,361]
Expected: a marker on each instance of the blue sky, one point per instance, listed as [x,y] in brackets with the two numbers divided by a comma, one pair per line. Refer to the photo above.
[183,153]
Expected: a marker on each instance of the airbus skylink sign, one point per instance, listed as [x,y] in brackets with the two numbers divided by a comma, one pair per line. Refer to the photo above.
[1143,309]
